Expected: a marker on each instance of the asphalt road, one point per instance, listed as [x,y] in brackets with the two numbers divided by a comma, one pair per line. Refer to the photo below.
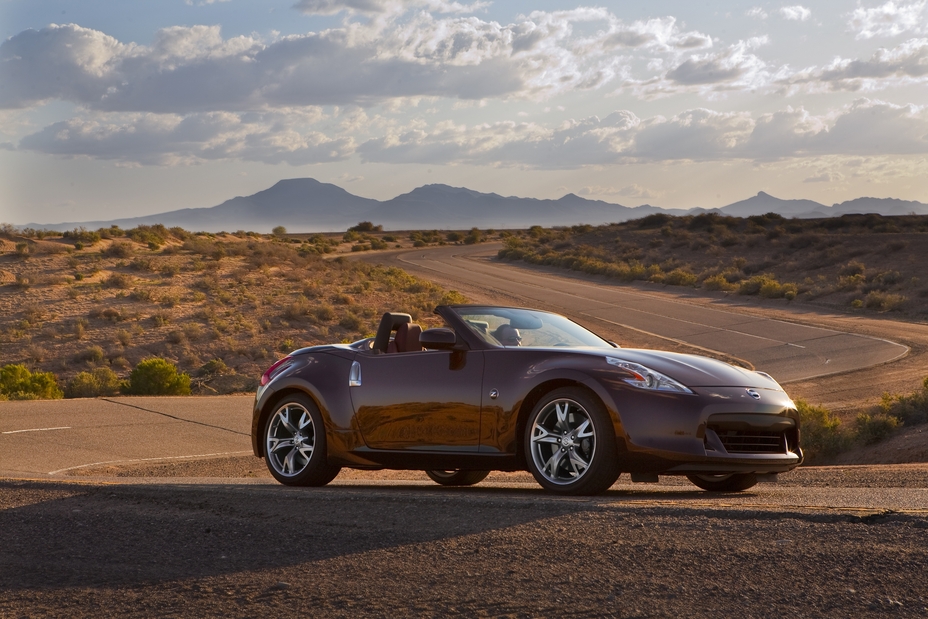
[52,438]
[786,350]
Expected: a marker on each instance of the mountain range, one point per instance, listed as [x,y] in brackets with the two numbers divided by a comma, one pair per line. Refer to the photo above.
[308,205]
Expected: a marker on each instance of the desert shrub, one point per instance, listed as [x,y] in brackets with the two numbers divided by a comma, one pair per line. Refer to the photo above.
[718,282]
[141,294]
[298,309]
[755,283]
[342,299]
[170,270]
[453,237]
[214,367]
[910,409]
[141,264]
[118,280]
[852,268]
[324,313]
[157,376]
[351,322]
[93,384]
[874,428]
[91,354]
[361,247]
[884,301]
[680,277]
[822,434]
[81,235]
[654,221]
[154,236]
[110,314]
[18,383]
[279,231]
[365,226]
[119,250]
[452,297]
[473,237]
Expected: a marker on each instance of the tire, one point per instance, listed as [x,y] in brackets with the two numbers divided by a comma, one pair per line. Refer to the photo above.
[304,463]
[570,445]
[730,482]
[457,477]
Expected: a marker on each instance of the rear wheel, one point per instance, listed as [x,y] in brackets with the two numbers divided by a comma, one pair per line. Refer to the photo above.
[570,443]
[294,443]
[728,482]
[457,477]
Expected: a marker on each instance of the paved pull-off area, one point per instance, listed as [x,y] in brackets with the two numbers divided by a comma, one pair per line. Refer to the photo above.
[786,350]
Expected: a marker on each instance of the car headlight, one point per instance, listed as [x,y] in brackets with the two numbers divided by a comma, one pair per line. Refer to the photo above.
[646,378]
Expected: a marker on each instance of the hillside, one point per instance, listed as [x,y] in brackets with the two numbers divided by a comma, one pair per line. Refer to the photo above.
[111,298]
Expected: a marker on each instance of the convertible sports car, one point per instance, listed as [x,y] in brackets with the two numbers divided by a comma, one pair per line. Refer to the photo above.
[509,389]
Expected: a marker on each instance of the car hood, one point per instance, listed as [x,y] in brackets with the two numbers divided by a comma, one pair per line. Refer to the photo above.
[695,370]
[690,370]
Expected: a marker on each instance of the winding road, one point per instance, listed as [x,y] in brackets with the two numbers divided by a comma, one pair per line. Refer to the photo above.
[789,351]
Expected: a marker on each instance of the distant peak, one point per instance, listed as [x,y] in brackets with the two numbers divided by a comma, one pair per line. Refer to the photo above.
[763,194]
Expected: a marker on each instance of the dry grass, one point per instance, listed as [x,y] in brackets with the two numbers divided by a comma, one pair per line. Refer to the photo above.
[242,299]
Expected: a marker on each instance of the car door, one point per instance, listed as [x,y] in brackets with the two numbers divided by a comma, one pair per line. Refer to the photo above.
[420,401]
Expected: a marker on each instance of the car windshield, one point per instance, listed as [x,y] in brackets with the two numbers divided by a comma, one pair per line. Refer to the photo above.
[501,326]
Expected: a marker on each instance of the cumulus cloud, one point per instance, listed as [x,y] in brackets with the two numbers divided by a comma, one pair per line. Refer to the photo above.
[906,63]
[757,13]
[888,20]
[796,12]
[733,68]
[412,53]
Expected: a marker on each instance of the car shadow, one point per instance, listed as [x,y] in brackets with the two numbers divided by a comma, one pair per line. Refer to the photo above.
[59,535]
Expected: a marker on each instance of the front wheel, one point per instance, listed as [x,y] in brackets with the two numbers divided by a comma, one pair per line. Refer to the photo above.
[729,482]
[570,443]
[457,477]
[294,443]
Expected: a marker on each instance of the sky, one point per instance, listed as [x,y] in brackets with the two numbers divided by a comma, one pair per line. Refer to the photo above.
[116,109]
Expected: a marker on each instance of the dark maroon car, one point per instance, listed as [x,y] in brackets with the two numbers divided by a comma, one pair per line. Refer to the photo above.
[511,389]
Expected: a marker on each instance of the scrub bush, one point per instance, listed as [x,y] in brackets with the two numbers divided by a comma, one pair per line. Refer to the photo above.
[18,383]
[822,434]
[157,376]
[96,383]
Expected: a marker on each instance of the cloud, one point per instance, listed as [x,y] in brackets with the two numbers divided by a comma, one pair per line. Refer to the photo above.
[168,139]
[795,12]
[865,128]
[824,177]
[733,68]
[888,20]
[409,53]
[374,7]
[905,64]
[757,13]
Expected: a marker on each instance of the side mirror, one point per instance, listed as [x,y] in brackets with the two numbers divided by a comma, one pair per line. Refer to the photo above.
[438,339]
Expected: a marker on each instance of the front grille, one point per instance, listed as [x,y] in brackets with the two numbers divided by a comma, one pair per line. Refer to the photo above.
[752,441]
